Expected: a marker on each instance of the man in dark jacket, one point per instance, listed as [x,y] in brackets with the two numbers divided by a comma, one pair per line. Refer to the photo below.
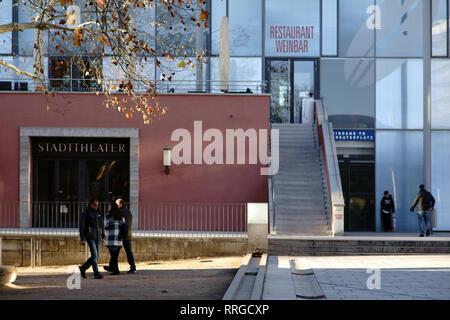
[126,214]
[92,231]
[387,208]
[425,203]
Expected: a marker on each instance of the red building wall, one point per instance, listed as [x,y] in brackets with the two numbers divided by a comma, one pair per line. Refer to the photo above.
[185,183]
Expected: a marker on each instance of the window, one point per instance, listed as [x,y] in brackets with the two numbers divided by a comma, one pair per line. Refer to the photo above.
[245,27]
[440,94]
[355,38]
[218,10]
[439,28]
[399,169]
[5,18]
[74,74]
[399,93]
[401,30]
[292,28]
[440,178]
[348,90]
[329,27]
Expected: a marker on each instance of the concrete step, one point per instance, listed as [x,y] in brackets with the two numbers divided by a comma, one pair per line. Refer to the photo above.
[329,246]
[316,199]
[307,191]
[306,224]
[298,205]
[302,233]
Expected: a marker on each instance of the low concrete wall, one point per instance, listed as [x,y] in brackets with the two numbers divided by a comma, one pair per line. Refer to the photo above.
[69,251]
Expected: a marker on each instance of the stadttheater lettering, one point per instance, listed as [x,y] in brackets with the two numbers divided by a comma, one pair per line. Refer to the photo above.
[292,38]
[81,147]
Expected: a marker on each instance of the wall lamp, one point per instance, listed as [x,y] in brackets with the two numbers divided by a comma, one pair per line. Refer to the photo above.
[167,158]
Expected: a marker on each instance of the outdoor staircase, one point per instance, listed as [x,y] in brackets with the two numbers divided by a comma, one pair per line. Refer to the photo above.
[300,195]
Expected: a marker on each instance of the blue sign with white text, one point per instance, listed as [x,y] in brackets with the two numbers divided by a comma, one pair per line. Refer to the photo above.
[354,135]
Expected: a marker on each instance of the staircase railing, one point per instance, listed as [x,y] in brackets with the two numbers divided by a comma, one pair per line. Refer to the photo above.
[271,206]
[328,145]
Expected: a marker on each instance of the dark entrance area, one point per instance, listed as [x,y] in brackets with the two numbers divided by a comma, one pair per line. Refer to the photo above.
[68,172]
[358,186]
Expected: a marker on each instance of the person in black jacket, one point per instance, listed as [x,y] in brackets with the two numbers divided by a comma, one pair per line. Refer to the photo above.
[126,214]
[425,203]
[387,208]
[92,231]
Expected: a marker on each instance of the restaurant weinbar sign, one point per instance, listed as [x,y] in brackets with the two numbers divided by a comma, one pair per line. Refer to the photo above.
[291,39]
[292,28]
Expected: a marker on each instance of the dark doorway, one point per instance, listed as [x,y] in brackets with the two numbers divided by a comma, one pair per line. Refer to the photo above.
[358,186]
[289,81]
[68,172]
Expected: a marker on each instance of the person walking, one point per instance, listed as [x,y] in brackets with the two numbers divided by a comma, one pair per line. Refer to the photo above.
[92,231]
[114,237]
[126,214]
[425,204]
[387,209]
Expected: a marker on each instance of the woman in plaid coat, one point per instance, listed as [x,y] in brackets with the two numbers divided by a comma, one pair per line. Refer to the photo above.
[114,223]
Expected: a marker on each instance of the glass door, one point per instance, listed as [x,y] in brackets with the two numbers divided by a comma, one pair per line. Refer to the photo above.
[303,86]
[290,81]
[279,80]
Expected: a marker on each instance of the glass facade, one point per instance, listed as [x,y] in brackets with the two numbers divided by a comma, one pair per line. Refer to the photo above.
[440,177]
[245,27]
[399,169]
[348,91]
[440,94]
[329,27]
[400,33]
[355,38]
[439,28]
[399,94]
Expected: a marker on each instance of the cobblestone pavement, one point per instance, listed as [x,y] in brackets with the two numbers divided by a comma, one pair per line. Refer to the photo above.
[190,279]
[424,277]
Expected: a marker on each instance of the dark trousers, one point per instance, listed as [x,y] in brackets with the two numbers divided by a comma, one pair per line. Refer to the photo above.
[130,258]
[94,247]
[386,222]
[114,259]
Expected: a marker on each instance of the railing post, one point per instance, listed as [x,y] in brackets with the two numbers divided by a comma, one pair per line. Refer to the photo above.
[338,219]
[32,253]
[257,227]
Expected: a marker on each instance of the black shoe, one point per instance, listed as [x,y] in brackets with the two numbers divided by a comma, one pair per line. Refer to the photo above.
[131,271]
[428,232]
[83,272]
[98,276]
[106,268]
[115,273]
[421,235]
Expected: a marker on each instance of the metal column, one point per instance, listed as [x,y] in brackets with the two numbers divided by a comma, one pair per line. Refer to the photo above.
[427,94]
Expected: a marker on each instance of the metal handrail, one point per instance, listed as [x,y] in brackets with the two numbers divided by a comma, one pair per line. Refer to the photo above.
[113,85]
[327,143]
[168,219]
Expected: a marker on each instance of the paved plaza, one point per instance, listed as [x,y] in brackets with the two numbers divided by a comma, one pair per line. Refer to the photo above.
[423,277]
[187,279]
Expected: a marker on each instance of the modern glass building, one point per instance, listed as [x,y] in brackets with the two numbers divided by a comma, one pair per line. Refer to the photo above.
[381,67]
